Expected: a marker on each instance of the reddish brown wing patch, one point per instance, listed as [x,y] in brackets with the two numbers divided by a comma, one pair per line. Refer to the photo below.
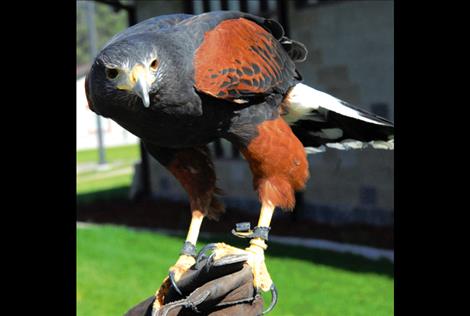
[238,58]
[278,162]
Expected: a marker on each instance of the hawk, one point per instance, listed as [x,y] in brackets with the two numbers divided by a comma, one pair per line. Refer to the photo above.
[181,81]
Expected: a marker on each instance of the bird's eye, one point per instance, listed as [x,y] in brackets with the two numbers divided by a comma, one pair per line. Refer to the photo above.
[111,73]
[154,65]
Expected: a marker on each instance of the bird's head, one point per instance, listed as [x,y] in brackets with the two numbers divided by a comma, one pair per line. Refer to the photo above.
[125,73]
[144,71]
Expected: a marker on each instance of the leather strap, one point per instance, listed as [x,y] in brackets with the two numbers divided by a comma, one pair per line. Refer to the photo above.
[243,230]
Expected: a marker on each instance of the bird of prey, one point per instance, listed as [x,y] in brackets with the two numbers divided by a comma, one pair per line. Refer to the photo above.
[181,81]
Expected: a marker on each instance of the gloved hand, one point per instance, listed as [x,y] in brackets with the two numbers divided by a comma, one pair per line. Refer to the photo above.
[215,288]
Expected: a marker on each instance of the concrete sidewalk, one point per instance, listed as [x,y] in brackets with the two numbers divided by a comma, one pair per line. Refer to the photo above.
[93,166]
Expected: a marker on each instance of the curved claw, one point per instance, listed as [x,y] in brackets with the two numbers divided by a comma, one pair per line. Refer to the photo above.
[273,290]
[210,261]
[171,276]
[200,255]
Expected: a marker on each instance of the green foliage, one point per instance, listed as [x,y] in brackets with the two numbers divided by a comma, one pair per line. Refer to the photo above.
[108,23]
[118,267]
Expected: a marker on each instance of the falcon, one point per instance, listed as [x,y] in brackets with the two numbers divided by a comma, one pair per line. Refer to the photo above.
[182,81]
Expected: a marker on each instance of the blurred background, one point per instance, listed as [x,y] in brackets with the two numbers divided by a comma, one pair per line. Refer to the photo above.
[332,256]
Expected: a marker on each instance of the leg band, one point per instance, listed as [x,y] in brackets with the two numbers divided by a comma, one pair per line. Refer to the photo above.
[243,230]
[188,249]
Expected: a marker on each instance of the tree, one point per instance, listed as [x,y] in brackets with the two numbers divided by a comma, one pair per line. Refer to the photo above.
[108,23]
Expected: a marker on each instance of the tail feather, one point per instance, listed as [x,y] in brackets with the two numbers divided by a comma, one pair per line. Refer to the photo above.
[320,120]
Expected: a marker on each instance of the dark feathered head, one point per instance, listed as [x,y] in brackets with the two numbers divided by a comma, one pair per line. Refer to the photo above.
[143,71]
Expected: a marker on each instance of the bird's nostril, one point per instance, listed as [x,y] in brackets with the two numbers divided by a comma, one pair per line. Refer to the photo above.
[154,65]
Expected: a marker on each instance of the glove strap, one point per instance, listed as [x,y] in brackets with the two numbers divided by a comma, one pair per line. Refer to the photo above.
[188,249]
[243,230]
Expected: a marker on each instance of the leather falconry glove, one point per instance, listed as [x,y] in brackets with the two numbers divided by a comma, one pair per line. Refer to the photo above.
[215,288]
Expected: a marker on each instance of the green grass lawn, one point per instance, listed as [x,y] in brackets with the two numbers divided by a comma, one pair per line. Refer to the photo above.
[128,152]
[118,175]
[118,267]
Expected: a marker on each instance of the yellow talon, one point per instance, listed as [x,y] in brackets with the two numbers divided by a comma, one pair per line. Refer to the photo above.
[182,265]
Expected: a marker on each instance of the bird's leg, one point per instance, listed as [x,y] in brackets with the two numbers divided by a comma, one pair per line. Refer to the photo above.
[255,252]
[194,170]
[188,252]
[261,277]
[186,259]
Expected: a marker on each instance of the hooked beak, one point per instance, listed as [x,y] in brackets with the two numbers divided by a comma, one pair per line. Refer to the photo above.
[142,90]
[138,81]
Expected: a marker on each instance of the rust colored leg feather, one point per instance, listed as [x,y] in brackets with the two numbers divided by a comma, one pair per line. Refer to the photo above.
[278,162]
[194,169]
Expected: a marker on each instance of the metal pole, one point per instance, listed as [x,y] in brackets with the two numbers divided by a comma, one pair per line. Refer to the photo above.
[90,17]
